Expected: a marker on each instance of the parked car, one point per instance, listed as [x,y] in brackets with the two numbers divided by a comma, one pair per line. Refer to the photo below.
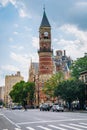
[1,106]
[45,107]
[19,107]
[53,108]
[57,107]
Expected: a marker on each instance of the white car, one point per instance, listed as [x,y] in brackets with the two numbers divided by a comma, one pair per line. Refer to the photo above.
[59,108]
[1,106]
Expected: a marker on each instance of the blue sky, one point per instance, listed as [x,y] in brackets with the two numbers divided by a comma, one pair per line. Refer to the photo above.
[19,31]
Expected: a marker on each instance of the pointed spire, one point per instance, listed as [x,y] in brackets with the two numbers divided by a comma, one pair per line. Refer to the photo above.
[44,7]
[45,22]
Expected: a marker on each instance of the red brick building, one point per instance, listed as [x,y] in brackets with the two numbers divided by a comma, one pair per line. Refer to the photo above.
[45,52]
[42,71]
[45,65]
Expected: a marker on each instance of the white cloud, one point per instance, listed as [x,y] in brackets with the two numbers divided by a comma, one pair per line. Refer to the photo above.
[71,47]
[2,81]
[17,47]
[23,59]
[11,39]
[16,33]
[34,57]
[81,4]
[5,2]
[22,13]
[27,28]
[23,62]
[77,47]
[2,78]
[79,34]
[19,5]
[16,25]
[9,68]
[35,42]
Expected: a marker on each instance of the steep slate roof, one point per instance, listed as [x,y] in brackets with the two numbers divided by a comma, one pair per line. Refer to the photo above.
[45,22]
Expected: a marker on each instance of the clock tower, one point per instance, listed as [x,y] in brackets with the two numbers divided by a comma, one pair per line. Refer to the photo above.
[45,52]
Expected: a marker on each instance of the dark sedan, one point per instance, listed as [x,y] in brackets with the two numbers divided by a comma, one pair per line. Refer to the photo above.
[19,107]
[45,107]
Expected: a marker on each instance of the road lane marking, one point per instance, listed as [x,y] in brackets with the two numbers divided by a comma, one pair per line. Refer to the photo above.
[17,129]
[57,127]
[74,128]
[83,123]
[1,114]
[11,121]
[45,128]
[30,128]
[78,125]
[44,121]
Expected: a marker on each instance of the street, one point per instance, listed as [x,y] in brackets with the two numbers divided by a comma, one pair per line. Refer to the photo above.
[34,119]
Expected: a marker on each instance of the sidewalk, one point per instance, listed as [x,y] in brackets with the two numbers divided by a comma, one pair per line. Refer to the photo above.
[79,111]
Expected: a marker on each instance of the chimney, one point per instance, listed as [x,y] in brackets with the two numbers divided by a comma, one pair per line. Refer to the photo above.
[86,54]
[64,53]
[18,73]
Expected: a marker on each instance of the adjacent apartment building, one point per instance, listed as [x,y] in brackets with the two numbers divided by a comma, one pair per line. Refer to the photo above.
[10,81]
[2,92]
[83,77]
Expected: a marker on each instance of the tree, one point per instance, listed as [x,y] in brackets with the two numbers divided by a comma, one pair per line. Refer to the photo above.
[78,66]
[71,90]
[22,91]
[1,102]
[52,83]
[30,91]
[17,93]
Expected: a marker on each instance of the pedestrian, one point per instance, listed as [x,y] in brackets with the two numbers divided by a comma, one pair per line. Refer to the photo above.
[25,104]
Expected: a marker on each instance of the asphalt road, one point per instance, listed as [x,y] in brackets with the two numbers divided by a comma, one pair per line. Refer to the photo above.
[42,120]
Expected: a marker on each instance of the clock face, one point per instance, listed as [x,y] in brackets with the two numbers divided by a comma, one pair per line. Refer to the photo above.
[46,34]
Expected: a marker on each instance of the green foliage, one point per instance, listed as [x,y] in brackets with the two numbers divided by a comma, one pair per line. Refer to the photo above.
[30,90]
[1,102]
[21,91]
[52,83]
[17,92]
[71,90]
[78,66]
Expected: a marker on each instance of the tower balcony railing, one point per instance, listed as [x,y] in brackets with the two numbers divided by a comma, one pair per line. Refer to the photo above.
[45,50]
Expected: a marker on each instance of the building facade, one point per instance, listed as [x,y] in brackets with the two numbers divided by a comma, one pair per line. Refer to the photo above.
[83,77]
[44,69]
[48,64]
[10,81]
[45,54]
[33,71]
[2,89]
[62,63]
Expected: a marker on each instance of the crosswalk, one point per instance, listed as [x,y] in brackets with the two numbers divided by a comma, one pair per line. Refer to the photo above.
[61,126]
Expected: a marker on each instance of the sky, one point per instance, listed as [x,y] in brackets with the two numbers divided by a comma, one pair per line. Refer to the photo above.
[19,31]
